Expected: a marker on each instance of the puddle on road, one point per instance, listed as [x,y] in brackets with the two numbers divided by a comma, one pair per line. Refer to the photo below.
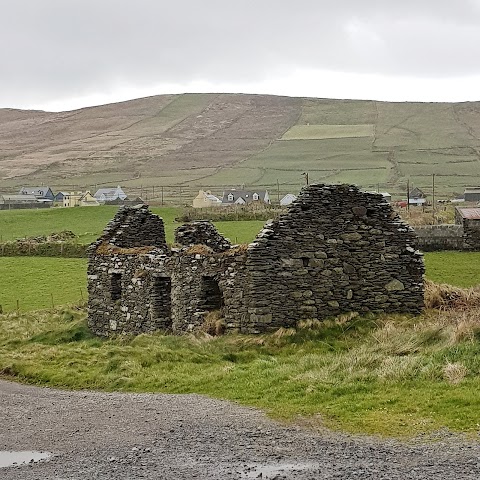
[8,459]
[272,471]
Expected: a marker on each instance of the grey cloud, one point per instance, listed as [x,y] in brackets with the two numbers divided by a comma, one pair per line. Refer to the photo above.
[64,48]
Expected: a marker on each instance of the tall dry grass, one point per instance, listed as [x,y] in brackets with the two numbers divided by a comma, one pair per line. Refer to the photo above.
[448,297]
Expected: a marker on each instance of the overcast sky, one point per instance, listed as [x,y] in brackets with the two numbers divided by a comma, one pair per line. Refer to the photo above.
[65,54]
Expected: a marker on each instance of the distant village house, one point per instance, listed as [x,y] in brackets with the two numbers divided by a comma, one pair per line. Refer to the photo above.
[417,197]
[288,199]
[205,199]
[12,202]
[79,199]
[244,197]
[109,194]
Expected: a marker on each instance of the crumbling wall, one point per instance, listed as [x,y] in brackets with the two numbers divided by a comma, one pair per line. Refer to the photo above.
[335,250]
[205,281]
[133,227]
[123,293]
[201,232]
[124,267]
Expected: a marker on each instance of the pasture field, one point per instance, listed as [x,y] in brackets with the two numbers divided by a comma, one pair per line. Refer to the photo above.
[320,132]
[455,268]
[340,112]
[38,282]
[88,223]
[34,280]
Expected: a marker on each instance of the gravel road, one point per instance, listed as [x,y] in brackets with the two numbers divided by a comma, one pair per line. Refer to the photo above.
[128,436]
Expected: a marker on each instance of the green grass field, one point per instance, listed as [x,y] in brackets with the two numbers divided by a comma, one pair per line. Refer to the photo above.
[37,282]
[88,222]
[34,280]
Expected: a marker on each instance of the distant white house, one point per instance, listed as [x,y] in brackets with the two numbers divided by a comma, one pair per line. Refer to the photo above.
[205,199]
[244,197]
[110,193]
[288,199]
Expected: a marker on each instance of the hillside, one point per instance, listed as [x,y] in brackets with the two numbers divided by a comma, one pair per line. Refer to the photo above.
[191,141]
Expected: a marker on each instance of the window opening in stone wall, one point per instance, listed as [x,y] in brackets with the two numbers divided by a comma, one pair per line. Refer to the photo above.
[161,297]
[305,261]
[212,298]
[116,286]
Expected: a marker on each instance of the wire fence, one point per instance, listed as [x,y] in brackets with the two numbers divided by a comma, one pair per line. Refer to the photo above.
[46,301]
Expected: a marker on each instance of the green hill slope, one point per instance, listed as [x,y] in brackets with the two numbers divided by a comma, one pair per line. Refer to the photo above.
[192,141]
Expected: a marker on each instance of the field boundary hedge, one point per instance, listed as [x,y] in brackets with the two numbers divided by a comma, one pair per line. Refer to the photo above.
[44,249]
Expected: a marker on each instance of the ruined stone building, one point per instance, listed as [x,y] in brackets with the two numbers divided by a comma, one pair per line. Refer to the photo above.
[335,250]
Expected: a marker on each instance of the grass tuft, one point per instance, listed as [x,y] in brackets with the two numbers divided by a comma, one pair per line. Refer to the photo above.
[443,296]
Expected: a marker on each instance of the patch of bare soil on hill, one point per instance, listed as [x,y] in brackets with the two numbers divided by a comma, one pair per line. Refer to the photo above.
[140,137]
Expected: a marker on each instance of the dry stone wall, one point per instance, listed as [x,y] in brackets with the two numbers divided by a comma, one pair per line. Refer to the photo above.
[471,234]
[440,237]
[122,293]
[201,232]
[335,250]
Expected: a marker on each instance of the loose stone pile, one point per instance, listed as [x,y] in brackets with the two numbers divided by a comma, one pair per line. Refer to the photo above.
[336,250]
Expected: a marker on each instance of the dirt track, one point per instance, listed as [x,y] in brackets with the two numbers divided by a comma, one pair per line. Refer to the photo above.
[129,436]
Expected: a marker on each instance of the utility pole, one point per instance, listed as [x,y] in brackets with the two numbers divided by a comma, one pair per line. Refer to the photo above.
[162,195]
[433,195]
[408,195]
[305,174]
[278,191]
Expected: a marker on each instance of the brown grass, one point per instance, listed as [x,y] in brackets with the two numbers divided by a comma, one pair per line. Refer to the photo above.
[417,217]
[198,250]
[107,249]
[238,249]
[214,324]
[454,373]
[448,297]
